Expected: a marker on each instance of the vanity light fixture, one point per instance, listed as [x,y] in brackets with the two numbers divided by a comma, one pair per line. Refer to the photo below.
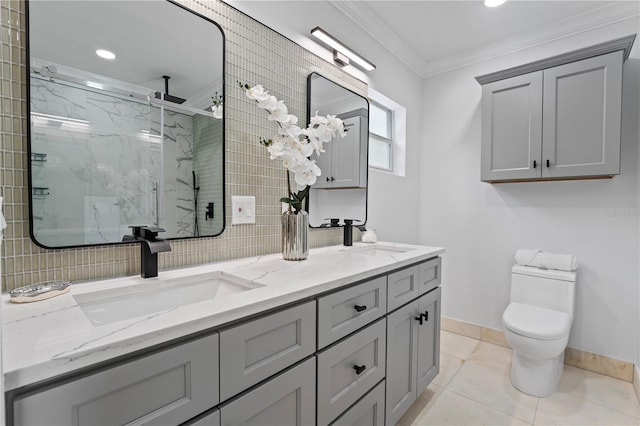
[105,54]
[342,55]
[493,3]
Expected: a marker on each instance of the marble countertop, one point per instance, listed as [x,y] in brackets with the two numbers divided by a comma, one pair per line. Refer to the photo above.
[46,339]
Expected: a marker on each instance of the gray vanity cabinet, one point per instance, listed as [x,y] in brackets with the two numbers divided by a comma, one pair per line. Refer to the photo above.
[167,387]
[369,411]
[210,419]
[255,350]
[349,369]
[413,346]
[430,275]
[555,119]
[345,311]
[285,400]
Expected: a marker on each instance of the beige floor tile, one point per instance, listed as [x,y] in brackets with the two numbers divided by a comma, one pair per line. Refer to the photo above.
[562,409]
[457,345]
[600,389]
[421,407]
[449,367]
[453,409]
[485,379]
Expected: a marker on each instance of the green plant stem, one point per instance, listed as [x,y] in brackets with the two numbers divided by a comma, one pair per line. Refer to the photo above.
[289,187]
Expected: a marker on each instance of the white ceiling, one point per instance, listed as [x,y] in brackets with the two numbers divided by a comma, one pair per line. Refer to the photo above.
[432,36]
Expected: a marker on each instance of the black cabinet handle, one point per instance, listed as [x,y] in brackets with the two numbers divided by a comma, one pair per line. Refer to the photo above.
[360,308]
[327,178]
[359,368]
[426,316]
[548,165]
[534,164]
[419,318]
[332,178]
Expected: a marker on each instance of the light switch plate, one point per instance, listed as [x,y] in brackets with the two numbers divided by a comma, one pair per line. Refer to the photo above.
[243,209]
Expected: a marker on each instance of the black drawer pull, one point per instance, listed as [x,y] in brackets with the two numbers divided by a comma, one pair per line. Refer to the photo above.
[419,318]
[548,164]
[534,164]
[359,368]
[426,316]
[360,308]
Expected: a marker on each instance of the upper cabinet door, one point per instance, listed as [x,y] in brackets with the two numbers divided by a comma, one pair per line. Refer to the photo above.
[582,109]
[512,128]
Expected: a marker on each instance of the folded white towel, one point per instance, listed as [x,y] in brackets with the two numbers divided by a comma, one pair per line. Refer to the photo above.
[546,260]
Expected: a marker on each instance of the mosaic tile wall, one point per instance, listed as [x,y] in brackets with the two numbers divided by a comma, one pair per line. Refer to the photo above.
[254,54]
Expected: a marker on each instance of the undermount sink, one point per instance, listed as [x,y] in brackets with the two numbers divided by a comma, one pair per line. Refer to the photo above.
[382,250]
[108,306]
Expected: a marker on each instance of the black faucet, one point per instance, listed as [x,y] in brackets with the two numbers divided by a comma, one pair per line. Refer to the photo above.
[347,239]
[150,246]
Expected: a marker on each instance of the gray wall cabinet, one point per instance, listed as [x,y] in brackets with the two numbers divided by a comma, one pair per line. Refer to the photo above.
[369,411]
[168,387]
[344,162]
[555,119]
[286,400]
[255,350]
[413,334]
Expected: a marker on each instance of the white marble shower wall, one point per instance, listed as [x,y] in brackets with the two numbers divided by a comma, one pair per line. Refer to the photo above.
[110,149]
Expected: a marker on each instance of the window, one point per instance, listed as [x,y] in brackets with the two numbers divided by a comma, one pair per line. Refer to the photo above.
[387,134]
[380,137]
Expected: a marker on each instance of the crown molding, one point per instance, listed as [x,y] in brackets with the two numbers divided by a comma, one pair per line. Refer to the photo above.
[372,24]
[360,14]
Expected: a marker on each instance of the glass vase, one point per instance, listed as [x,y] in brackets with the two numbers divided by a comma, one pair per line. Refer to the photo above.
[295,235]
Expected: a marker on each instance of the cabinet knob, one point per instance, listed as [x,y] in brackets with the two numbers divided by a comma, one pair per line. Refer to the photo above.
[360,308]
[327,178]
[534,164]
[419,318]
[332,178]
[359,368]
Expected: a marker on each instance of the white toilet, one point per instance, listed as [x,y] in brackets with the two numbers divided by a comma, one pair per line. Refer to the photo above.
[536,325]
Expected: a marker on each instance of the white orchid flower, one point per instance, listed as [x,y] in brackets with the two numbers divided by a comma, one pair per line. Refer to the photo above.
[269,103]
[257,93]
[217,111]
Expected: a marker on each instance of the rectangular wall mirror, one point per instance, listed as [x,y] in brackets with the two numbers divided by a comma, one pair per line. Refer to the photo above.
[341,191]
[126,121]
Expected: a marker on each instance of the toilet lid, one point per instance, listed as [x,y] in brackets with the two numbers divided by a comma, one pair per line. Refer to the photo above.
[536,322]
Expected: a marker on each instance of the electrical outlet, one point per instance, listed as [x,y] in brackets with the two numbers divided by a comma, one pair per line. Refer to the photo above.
[243,209]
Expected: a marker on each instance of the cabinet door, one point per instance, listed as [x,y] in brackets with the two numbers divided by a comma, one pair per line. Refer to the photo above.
[402,360]
[285,400]
[512,128]
[369,411]
[346,155]
[402,286]
[255,350]
[168,387]
[582,110]
[347,370]
[428,339]
[325,162]
[210,419]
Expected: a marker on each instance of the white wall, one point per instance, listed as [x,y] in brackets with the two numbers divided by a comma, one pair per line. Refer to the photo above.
[481,225]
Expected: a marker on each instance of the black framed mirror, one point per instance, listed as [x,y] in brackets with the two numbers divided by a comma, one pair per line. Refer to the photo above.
[129,135]
[341,190]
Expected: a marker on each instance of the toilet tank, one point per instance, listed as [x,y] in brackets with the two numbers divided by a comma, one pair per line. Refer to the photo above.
[547,288]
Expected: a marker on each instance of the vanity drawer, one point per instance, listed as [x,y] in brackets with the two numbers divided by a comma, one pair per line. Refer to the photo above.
[369,411]
[210,419]
[402,287]
[340,383]
[343,312]
[430,275]
[168,387]
[286,400]
[255,350]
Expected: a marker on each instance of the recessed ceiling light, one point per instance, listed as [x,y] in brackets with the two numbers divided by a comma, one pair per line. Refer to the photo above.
[105,54]
[493,3]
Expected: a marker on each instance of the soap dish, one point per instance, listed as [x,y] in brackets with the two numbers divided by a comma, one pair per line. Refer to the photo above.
[40,291]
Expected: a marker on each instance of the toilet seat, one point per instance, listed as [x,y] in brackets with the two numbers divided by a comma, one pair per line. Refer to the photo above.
[536,322]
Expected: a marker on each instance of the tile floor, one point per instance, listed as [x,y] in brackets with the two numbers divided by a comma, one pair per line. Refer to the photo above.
[474,388]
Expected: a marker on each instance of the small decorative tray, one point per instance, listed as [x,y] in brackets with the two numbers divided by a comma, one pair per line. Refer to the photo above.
[40,291]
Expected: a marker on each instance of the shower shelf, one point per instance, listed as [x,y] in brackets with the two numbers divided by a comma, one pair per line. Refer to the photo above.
[37,157]
[40,190]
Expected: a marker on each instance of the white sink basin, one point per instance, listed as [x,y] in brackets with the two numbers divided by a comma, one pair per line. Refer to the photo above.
[382,250]
[108,306]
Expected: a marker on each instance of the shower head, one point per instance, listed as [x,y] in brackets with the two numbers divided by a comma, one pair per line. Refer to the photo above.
[167,96]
